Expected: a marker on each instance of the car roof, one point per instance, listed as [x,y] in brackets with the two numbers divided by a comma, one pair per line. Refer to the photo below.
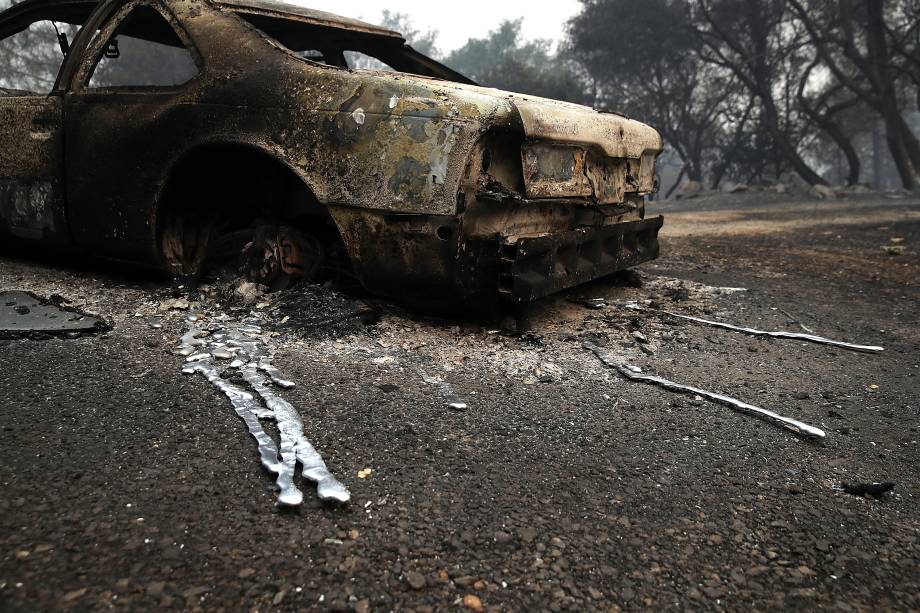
[270,8]
[308,15]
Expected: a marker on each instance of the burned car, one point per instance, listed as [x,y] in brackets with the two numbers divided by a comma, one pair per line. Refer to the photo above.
[167,131]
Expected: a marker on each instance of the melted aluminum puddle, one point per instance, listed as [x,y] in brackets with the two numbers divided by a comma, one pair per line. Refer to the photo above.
[221,350]
[634,373]
[780,334]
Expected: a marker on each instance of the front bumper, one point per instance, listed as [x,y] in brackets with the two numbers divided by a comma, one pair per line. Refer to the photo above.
[534,267]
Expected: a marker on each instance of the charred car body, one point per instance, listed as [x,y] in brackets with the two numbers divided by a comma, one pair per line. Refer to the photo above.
[175,124]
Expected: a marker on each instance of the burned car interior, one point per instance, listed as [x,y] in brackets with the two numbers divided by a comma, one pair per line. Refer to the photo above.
[183,135]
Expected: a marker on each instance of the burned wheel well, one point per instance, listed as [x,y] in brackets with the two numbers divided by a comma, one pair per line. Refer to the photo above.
[215,196]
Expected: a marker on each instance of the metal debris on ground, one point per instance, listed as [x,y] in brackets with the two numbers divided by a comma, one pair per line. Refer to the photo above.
[779,334]
[634,373]
[251,357]
[876,490]
[24,313]
[454,402]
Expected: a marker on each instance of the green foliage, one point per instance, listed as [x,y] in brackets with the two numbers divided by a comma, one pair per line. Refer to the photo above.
[622,40]
[504,60]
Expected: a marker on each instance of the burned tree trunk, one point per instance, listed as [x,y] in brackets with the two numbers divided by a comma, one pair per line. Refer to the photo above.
[822,114]
[748,40]
[846,146]
[904,146]
[852,39]
[788,150]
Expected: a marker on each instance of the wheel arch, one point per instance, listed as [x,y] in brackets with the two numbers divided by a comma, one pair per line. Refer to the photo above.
[219,185]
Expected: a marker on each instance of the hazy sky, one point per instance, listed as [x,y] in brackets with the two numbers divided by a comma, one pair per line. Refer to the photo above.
[458,20]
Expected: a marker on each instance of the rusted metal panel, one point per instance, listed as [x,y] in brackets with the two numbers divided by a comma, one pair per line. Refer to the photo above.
[552,171]
[617,136]
[563,171]
[536,266]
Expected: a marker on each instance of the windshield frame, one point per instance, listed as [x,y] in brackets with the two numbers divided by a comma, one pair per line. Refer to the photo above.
[387,47]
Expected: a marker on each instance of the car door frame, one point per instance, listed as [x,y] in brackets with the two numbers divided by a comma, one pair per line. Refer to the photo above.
[109,215]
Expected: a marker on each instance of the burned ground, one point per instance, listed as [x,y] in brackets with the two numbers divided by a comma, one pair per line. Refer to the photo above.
[127,484]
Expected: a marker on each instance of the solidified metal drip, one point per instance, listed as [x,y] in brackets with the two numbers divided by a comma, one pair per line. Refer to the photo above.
[274,374]
[454,402]
[780,334]
[633,373]
[252,356]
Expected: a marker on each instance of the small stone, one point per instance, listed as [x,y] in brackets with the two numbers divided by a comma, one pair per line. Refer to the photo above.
[595,593]
[155,588]
[528,535]
[801,395]
[416,580]
[362,606]
[640,337]
[75,595]
[194,592]
[471,601]
[246,573]
[279,597]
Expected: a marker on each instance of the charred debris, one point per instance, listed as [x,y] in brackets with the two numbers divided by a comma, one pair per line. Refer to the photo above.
[233,350]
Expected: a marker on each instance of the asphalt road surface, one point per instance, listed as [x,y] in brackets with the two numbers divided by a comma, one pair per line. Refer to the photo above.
[125,484]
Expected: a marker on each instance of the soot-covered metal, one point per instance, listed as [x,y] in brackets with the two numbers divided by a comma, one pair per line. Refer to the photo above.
[260,113]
